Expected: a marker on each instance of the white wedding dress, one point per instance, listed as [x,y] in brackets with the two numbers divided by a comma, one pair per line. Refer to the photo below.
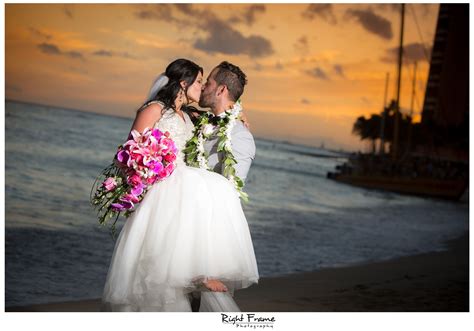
[188,228]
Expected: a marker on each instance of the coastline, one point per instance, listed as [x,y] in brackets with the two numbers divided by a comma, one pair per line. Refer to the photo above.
[429,282]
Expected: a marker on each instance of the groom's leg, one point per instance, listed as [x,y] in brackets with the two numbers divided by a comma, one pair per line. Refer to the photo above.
[195,299]
[218,301]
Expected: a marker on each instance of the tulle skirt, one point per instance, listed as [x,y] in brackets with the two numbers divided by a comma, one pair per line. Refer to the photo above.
[188,228]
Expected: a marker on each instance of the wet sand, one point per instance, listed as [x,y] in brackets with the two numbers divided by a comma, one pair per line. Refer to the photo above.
[432,282]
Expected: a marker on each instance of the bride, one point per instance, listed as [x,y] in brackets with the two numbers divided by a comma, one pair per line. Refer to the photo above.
[189,233]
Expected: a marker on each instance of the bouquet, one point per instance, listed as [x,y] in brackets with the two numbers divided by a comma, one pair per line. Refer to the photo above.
[140,162]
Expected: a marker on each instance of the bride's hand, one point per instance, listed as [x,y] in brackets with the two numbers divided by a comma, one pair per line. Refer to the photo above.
[196,114]
[193,112]
[245,120]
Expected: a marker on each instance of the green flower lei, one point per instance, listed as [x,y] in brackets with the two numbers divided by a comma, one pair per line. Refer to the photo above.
[197,157]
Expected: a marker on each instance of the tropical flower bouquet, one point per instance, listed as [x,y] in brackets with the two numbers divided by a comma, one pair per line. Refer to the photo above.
[141,161]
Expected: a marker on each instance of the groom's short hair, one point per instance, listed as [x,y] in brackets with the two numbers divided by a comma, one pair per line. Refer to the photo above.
[231,76]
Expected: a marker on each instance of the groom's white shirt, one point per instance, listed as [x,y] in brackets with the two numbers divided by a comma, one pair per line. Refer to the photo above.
[243,148]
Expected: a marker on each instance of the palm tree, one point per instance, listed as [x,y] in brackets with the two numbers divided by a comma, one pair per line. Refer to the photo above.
[374,124]
[368,128]
[360,128]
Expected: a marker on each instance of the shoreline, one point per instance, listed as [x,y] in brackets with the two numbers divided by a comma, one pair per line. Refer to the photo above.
[429,282]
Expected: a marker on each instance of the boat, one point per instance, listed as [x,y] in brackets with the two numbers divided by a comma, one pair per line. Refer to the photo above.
[426,170]
[450,184]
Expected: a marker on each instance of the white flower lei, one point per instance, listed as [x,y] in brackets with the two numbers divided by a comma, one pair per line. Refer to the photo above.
[196,155]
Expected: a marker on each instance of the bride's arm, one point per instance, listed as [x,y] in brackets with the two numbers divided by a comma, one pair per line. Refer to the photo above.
[245,119]
[147,117]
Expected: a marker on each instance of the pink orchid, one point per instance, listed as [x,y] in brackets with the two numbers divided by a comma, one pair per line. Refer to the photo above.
[118,207]
[134,180]
[156,166]
[135,158]
[129,197]
[170,167]
[109,184]
[157,134]
[123,156]
[162,174]
[138,189]
[170,157]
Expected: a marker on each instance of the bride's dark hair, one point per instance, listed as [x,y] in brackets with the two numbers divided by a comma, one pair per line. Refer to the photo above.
[177,71]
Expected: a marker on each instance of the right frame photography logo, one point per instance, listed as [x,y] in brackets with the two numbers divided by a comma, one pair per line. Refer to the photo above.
[248,320]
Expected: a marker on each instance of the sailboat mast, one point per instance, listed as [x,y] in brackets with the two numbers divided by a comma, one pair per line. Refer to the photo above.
[384,115]
[410,125]
[413,91]
[397,107]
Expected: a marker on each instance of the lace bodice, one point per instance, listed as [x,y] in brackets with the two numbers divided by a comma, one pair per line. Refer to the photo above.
[180,131]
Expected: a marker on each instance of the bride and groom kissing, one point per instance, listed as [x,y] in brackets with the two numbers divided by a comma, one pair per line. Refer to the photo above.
[188,240]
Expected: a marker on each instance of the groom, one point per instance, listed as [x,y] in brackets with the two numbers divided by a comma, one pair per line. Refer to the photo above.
[224,86]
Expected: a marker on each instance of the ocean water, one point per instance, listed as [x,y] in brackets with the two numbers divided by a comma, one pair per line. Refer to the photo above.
[299,220]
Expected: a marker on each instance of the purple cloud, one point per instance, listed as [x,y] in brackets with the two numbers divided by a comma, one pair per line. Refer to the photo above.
[372,22]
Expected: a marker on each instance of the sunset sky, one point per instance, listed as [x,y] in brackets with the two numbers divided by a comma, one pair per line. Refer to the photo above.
[312,68]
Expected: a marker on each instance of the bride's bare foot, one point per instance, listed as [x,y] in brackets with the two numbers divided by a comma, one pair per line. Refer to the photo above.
[215,285]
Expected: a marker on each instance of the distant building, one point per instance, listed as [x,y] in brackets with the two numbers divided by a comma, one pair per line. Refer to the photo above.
[445,113]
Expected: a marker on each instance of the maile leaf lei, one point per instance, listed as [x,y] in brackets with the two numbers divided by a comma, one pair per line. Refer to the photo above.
[197,157]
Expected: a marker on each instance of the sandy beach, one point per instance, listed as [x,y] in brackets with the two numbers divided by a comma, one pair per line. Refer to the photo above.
[432,282]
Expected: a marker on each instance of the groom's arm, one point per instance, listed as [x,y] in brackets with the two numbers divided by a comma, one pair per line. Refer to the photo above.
[243,148]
